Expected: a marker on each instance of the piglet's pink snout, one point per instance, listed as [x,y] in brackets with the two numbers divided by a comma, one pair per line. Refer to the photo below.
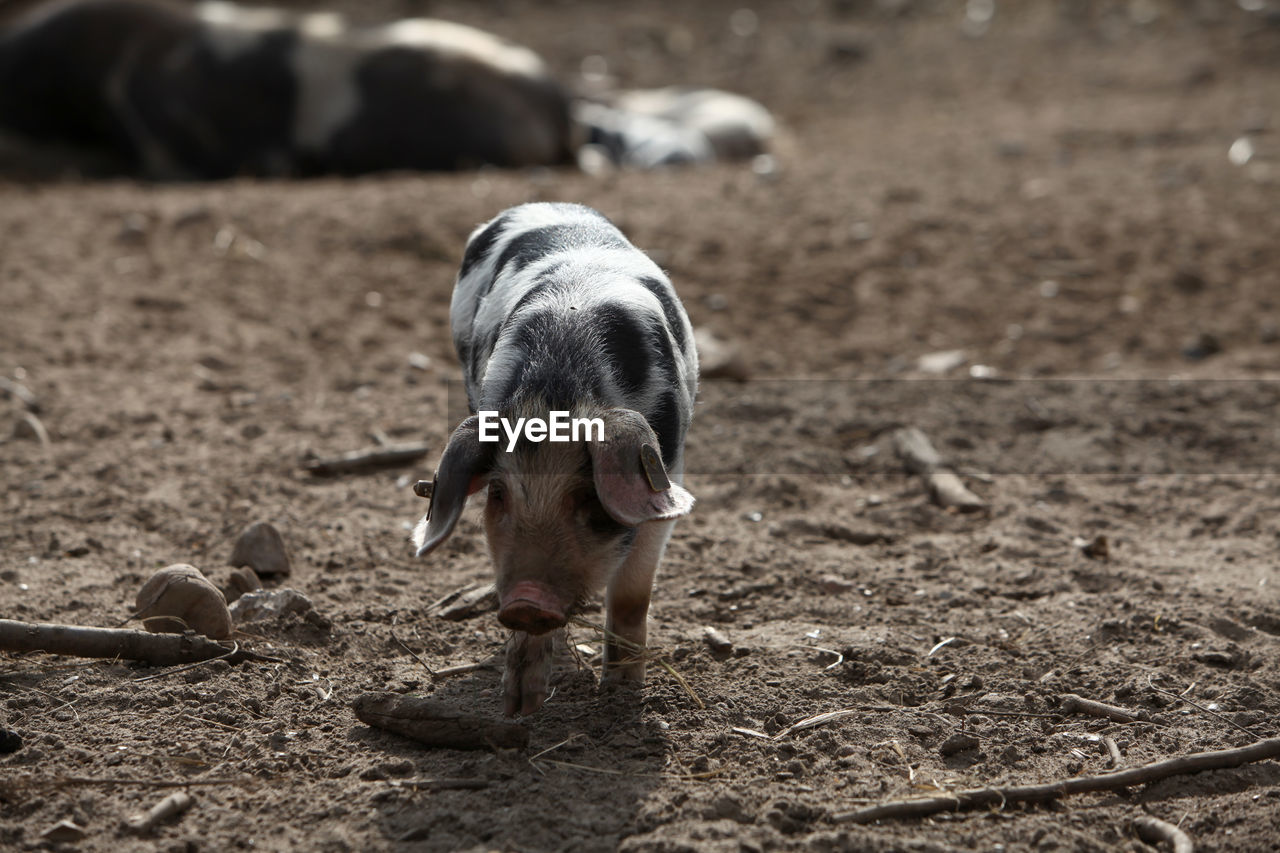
[532,607]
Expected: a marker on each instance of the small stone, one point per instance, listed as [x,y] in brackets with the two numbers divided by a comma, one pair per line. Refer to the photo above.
[716,640]
[10,741]
[835,585]
[941,362]
[268,604]
[717,359]
[261,547]
[64,832]
[958,742]
[1202,346]
[133,231]
[1097,549]
[240,581]
[179,598]
[1228,659]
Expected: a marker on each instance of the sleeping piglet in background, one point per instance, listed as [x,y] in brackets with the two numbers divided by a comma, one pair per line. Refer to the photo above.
[554,311]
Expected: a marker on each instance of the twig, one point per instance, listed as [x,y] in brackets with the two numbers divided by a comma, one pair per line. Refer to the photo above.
[839,658]
[460,669]
[36,429]
[570,739]
[431,672]
[465,603]
[234,651]
[641,652]
[386,456]
[979,797]
[1152,830]
[1181,697]
[443,783]
[87,642]
[68,781]
[438,723]
[174,804]
[816,720]
[1073,704]
[1113,750]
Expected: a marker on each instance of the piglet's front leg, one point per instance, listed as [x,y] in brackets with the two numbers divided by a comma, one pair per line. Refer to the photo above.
[627,604]
[526,680]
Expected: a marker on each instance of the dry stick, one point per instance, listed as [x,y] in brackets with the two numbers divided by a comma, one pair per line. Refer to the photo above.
[977,797]
[235,649]
[67,781]
[1152,830]
[86,642]
[438,723]
[642,652]
[1182,698]
[431,672]
[440,783]
[1113,750]
[460,669]
[1073,704]
[365,460]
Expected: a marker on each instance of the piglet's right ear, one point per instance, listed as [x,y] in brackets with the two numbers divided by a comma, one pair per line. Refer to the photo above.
[631,482]
[460,474]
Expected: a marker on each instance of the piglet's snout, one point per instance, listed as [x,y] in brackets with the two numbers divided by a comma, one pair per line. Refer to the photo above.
[532,607]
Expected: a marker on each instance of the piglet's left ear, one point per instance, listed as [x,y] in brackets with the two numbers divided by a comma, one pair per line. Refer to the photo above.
[630,480]
[461,473]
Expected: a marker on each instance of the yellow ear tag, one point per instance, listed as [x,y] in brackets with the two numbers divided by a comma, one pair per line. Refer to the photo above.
[426,489]
[653,470]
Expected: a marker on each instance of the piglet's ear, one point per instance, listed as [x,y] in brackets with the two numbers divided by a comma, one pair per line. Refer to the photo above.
[460,474]
[630,480]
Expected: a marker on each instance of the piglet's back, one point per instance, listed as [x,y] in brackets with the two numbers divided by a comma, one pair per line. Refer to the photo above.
[554,303]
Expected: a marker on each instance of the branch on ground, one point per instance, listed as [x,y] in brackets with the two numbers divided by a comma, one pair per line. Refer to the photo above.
[982,797]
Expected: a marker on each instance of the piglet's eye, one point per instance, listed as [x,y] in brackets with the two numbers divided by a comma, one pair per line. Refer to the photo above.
[497,492]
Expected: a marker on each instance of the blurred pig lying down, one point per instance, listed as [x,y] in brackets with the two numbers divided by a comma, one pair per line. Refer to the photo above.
[168,91]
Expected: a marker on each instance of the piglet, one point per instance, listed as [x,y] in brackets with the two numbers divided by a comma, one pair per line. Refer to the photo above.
[556,317]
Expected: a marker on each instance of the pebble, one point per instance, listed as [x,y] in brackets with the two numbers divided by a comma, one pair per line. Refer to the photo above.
[1202,346]
[716,640]
[958,742]
[10,741]
[717,359]
[268,604]
[941,362]
[64,832]
[835,585]
[261,547]
[179,598]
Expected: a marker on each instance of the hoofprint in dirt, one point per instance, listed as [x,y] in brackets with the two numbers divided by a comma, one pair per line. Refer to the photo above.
[1053,199]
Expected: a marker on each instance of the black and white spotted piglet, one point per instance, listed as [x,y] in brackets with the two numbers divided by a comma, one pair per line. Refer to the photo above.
[555,311]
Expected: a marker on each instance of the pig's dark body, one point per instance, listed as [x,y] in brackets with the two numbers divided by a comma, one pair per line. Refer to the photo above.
[175,94]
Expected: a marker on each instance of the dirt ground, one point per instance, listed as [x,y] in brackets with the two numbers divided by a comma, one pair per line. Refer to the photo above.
[1049,192]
